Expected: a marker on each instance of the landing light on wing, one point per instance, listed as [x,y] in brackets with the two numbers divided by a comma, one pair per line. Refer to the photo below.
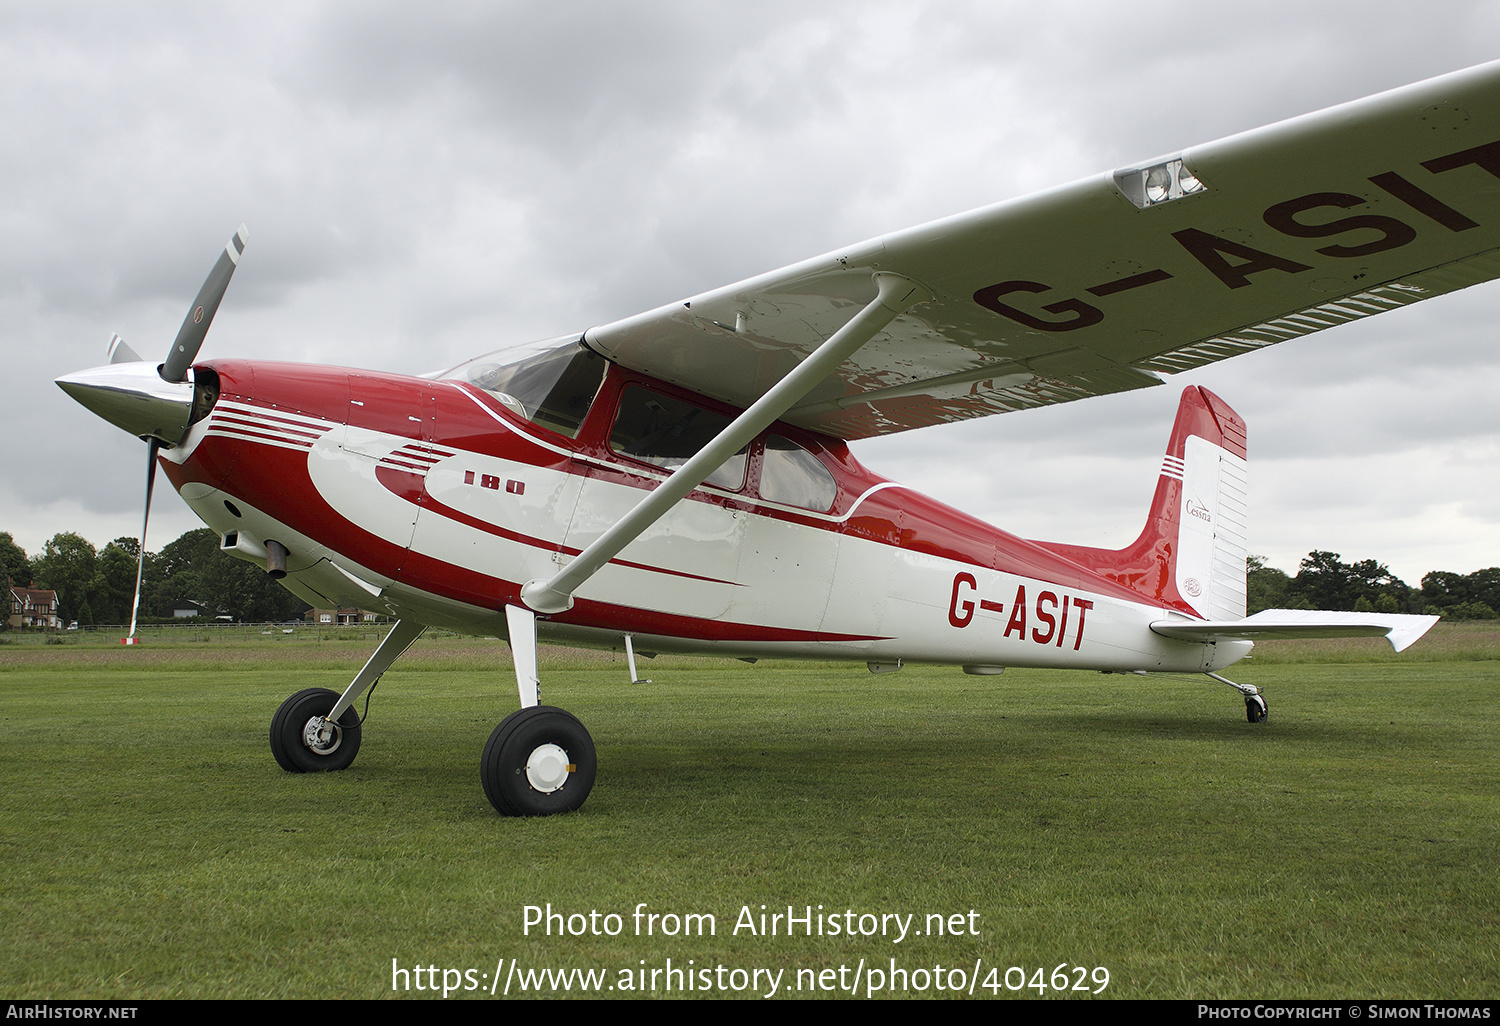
[1159,183]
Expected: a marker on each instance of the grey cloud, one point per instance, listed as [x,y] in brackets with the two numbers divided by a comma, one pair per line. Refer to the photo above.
[425,183]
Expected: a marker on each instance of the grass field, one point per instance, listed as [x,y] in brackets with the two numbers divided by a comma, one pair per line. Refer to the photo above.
[150,847]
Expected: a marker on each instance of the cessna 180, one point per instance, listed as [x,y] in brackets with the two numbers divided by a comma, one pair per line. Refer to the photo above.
[680,480]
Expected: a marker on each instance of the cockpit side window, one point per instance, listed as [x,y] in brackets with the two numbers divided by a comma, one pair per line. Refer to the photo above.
[791,475]
[553,388]
[664,432]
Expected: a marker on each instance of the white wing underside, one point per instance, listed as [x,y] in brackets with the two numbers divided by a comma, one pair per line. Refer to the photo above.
[1088,292]
[1400,629]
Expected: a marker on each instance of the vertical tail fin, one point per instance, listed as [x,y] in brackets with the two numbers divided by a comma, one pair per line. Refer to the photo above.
[1209,439]
[1191,554]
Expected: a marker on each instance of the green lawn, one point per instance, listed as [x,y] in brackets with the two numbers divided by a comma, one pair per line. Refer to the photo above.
[150,847]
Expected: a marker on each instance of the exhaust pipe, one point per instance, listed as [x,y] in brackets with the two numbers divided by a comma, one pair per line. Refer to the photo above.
[276,554]
[272,555]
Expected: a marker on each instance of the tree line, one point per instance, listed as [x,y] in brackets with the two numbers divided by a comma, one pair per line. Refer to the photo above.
[95,586]
[1324,581]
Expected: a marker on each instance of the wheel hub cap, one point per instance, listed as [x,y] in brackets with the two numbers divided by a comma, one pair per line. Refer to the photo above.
[322,736]
[547,768]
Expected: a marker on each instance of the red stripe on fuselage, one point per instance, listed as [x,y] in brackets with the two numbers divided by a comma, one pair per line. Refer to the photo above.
[278,482]
[275,480]
[266,423]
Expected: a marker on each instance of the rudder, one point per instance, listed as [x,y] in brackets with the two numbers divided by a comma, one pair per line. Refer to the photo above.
[1208,439]
[1190,556]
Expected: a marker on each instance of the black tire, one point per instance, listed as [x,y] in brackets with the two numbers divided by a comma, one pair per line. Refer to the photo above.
[550,737]
[288,744]
[1255,709]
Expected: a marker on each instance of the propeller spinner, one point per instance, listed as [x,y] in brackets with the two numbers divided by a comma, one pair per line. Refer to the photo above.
[158,404]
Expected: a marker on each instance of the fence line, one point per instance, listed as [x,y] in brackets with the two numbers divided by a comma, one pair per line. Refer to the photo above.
[186,626]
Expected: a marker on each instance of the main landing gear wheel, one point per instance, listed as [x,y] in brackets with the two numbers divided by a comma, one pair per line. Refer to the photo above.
[540,761]
[1255,709]
[304,741]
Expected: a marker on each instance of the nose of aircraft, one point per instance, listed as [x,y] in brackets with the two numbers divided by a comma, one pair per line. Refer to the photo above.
[156,403]
[133,396]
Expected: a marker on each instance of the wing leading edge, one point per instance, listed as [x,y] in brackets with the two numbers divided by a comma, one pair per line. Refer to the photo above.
[1104,285]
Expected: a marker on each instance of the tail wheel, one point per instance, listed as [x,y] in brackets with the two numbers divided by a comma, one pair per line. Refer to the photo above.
[539,761]
[1255,709]
[304,740]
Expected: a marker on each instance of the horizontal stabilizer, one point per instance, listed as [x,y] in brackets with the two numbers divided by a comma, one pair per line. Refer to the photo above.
[1400,629]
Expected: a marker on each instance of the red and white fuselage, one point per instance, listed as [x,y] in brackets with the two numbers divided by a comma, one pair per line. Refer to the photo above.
[436,501]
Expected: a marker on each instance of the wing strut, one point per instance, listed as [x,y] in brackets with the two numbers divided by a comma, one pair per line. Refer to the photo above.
[896,294]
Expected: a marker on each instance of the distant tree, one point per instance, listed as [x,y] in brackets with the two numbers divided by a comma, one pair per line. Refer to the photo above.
[1470,611]
[1371,580]
[1485,586]
[1462,597]
[114,585]
[247,592]
[194,568]
[68,566]
[1324,581]
[190,550]
[1442,589]
[1265,586]
[14,563]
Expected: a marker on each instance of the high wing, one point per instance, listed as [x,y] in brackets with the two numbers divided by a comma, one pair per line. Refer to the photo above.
[1103,285]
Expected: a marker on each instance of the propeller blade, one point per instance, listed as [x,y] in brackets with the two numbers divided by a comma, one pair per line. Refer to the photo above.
[119,352]
[190,336]
[140,563]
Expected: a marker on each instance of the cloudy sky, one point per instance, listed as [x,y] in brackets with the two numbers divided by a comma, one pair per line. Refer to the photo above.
[423,183]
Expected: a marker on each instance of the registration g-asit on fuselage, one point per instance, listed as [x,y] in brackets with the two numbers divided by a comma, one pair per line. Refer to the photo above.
[680,480]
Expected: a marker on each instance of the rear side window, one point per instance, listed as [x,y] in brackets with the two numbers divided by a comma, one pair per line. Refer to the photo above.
[791,475]
[665,432]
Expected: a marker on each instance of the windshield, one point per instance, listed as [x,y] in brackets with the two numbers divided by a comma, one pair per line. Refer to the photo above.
[550,383]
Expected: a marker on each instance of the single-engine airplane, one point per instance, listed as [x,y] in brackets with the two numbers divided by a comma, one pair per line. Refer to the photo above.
[680,480]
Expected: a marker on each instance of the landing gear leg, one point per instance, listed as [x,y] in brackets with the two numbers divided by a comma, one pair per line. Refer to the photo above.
[396,642]
[1256,710]
[540,760]
[317,730]
[522,625]
[635,678]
